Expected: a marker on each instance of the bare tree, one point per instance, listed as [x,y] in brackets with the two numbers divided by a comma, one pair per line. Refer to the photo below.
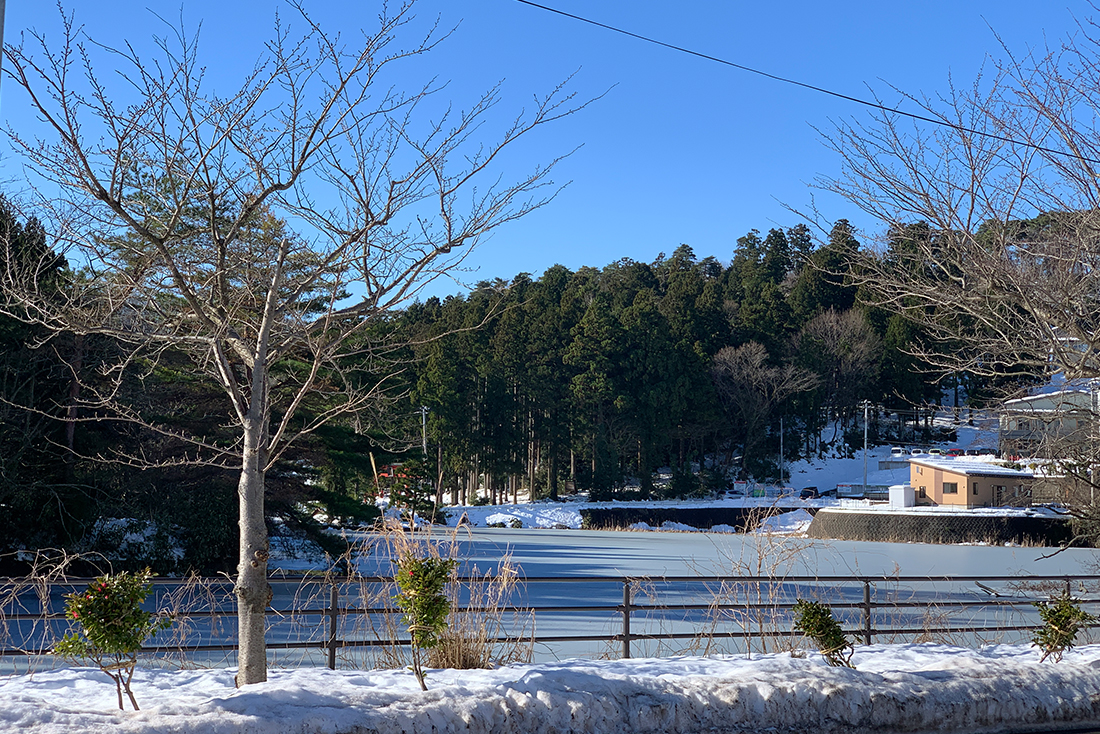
[844,351]
[266,232]
[750,389]
[992,219]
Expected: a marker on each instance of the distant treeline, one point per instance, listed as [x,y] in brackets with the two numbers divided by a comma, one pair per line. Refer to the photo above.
[600,377]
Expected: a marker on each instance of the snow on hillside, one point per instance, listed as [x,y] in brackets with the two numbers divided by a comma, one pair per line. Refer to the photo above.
[567,515]
[900,688]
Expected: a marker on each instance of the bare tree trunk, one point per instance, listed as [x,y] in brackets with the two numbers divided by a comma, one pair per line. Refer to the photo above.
[73,411]
[439,475]
[253,591]
[531,468]
[552,471]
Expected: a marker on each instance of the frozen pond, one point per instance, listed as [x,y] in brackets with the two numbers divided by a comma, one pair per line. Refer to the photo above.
[908,605]
[606,553]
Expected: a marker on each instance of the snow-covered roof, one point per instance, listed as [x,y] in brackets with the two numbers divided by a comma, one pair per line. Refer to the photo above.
[1061,400]
[969,466]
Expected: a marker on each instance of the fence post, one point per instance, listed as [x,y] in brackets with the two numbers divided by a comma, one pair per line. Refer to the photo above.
[866,612]
[333,601]
[626,618]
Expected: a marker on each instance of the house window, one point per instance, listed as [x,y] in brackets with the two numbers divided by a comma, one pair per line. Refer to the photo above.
[920,470]
[950,487]
[922,493]
[975,487]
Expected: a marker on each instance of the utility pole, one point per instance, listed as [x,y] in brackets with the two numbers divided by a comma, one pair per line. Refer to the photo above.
[423,423]
[424,442]
[780,451]
[866,420]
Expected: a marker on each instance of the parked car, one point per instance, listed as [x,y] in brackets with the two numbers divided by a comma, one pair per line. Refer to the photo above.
[973,452]
[935,452]
[986,451]
[897,451]
[953,453]
[809,493]
[916,452]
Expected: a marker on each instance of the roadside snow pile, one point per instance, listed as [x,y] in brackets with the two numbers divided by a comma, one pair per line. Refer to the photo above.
[789,523]
[910,688]
[670,526]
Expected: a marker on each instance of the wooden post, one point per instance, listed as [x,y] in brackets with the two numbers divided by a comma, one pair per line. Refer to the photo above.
[866,612]
[626,618]
[333,614]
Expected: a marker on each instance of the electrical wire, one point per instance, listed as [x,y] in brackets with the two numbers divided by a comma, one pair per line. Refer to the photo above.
[811,87]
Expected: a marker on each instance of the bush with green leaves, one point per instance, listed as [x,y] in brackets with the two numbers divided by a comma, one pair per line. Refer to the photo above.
[1062,619]
[113,626]
[420,583]
[817,622]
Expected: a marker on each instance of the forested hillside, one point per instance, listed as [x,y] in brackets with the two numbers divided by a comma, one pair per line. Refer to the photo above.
[599,377]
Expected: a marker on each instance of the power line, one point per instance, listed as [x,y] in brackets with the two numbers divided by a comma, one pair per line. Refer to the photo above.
[804,85]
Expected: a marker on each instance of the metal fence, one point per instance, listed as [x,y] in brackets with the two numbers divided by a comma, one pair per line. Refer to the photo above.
[334,620]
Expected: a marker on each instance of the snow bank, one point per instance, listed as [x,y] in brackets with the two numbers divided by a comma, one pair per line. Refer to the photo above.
[904,688]
[567,515]
[788,523]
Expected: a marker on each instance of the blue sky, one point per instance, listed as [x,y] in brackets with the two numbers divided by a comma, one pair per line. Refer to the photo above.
[679,150]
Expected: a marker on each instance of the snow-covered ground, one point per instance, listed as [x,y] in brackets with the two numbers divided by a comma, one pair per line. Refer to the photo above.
[899,688]
[567,515]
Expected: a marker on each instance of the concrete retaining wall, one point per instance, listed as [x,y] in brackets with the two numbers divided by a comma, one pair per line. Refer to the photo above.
[939,528]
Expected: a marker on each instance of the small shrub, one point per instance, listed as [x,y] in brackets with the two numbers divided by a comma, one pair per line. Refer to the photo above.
[483,630]
[420,583]
[817,622]
[1062,619]
[113,626]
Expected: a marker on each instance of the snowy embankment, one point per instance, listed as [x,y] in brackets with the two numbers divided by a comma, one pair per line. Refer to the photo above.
[567,515]
[895,688]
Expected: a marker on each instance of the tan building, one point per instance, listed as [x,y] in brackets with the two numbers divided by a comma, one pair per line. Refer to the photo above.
[967,483]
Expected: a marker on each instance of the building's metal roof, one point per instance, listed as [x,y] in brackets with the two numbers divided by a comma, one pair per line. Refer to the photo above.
[970,467]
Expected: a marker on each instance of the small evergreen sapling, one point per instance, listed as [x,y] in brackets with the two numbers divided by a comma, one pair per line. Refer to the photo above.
[420,583]
[816,621]
[113,626]
[1062,619]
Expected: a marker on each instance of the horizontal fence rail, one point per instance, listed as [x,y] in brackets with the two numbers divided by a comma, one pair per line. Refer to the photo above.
[336,616]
